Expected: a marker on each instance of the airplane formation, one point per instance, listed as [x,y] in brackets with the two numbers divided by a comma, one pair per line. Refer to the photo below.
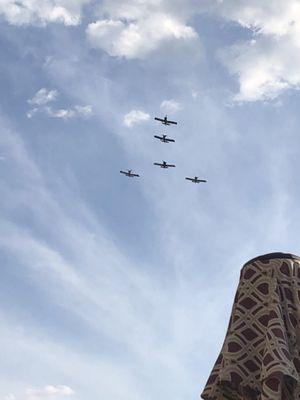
[163,164]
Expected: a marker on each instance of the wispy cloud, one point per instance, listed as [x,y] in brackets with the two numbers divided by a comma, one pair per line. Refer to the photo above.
[135,117]
[10,396]
[113,292]
[171,106]
[26,12]
[45,96]
[77,111]
[49,391]
[32,112]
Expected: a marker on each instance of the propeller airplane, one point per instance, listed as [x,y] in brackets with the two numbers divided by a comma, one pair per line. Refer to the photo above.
[196,180]
[129,173]
[164,138]
[164,165]
[165,121]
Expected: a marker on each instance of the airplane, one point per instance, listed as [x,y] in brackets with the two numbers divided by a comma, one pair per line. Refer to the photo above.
[164,139]
[164,165]
[165,121]
[129,173]
[196,180]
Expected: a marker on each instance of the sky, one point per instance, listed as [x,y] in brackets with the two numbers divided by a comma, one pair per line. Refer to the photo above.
[122,288]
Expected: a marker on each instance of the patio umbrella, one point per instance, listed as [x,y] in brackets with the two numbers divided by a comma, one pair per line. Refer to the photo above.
[260,356]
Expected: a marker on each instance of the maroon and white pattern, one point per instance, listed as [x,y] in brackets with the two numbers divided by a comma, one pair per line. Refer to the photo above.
[260,356]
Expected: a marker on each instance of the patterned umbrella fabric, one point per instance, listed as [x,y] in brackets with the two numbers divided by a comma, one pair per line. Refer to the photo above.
[260,356]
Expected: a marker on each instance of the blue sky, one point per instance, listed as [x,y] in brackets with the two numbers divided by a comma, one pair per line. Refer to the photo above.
[120,288]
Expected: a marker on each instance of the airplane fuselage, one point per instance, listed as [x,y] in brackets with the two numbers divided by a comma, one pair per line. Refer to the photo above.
[198,181]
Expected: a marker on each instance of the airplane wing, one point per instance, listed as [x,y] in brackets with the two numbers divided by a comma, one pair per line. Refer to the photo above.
[170,140]
[170,165]
[159,119]
[190,179]
[157,137]
[156,163]
[172,122]
[202,180]
[134,174]
[123,172]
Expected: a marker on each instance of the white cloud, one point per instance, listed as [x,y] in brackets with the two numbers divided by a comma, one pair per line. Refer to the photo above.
[195,93]
[268,64]
[171,106]
[133,29]
[40,12]
[43,96]
[10,396]
[263,68]
[134,117]
[77,111]
[85,111]
[61,113]
[49,391]
[32,112]
[279,17]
